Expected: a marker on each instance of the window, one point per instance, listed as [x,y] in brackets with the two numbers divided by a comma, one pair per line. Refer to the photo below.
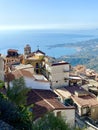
[56,81]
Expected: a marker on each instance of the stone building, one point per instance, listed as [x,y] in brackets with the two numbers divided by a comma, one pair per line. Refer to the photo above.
[57,73]
[35,59]
[1,68]
[27,50]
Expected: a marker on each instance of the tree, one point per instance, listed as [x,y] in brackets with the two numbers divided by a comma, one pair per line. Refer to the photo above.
[50,122]
[17,92]
[1,84]
[18,117]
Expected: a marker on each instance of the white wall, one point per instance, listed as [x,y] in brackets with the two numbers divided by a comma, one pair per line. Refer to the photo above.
[58,75]
[1,69]
[68,115]
[30,82]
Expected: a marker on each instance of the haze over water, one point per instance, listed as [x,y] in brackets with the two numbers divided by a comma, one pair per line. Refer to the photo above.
[17,39]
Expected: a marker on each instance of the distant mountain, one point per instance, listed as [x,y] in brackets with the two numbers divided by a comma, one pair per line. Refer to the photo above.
[87,54]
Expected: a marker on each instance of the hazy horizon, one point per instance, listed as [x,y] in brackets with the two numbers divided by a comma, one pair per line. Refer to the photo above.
[48,14]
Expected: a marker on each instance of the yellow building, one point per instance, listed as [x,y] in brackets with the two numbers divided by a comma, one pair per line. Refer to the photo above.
[35,59]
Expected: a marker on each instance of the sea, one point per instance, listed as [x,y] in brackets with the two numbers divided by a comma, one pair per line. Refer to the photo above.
[42,39]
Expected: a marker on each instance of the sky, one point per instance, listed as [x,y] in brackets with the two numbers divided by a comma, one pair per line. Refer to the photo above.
[48,14]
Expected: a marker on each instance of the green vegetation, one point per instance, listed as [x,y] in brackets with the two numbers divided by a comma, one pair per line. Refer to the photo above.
[1,84]
[13,111]
[17,93]
[50,122]
[21,118]
[18,117]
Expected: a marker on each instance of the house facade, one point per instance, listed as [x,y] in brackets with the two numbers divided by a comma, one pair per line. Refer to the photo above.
[12,57]
[67,114]
[1,68]
[86,103]
[46,101]
[35,59]
[59,74]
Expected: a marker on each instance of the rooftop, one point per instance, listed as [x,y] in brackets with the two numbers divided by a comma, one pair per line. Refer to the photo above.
[31,82]
[22,66]
[62,92]
[39,51]
[44,101]
[12,50]
[85,100]
[72,89]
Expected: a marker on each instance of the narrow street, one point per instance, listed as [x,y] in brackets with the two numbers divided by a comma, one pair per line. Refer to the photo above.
[81,123]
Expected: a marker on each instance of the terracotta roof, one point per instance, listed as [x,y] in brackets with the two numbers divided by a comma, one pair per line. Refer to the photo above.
[12,50]
[72,89]
[26,73]
[17,74]
[44,101]
[29,79]
[85,100]
[9,77]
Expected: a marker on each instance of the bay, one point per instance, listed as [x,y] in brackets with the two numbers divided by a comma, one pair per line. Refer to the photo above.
[42,39]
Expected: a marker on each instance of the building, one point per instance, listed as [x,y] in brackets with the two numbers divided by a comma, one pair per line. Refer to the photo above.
[31,80]
[27,50]
[63,94]
[85,102]
[1,68]
[12,53]
[27,67]
[59,74]
[35,59]
[46,101]
[79,70]
[12,57]
[75,80]
[90,73]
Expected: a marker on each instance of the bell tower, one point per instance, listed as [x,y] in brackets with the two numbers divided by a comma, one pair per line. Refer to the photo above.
[27,50]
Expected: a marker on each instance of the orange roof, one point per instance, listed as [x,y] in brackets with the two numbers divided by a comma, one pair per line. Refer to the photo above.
[87,100]
[17,74]
[44,101]
[12,50]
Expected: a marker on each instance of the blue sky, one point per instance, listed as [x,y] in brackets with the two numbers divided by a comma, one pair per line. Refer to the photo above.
[48,14]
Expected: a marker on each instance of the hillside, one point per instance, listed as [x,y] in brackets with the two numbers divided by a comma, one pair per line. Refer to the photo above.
[87,54]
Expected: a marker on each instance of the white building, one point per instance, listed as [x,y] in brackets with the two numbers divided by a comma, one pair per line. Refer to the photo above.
[1,68]
[31,81]
[59,74]
[27,67]
[49,103]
